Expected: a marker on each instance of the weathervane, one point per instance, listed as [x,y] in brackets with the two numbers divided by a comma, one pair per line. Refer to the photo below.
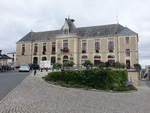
[117,19]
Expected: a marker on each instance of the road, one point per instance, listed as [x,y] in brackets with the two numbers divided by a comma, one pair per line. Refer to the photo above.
[34,95]
[9,80]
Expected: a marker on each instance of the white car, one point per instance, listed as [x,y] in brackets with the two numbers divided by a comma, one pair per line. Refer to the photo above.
[24,68]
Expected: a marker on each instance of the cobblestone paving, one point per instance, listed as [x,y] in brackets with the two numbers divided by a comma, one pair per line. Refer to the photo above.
[34,95]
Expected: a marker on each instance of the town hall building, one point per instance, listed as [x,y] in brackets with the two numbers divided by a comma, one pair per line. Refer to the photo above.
[105,43]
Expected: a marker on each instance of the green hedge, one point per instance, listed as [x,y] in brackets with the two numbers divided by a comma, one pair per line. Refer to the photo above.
[95,78]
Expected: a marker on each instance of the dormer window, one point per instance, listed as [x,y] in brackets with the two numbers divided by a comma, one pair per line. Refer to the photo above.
[66,31]
[68,26]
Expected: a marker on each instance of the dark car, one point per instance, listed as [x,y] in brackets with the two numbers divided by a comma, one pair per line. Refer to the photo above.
[34,66]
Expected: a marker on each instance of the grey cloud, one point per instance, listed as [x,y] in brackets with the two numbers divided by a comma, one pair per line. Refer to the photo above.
[18,17]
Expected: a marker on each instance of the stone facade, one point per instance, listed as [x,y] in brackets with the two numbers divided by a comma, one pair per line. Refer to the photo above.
[99,43]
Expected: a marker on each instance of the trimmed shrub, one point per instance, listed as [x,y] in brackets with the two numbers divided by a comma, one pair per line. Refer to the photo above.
[105,79]
[119,65]
[101,65]
[125,88]
[57,66]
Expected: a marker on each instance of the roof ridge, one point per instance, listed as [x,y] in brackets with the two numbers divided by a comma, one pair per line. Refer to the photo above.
[100,25]
[81,27]
[89,31]
[47,31]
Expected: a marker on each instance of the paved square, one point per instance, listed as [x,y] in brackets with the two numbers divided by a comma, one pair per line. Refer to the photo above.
[34,95]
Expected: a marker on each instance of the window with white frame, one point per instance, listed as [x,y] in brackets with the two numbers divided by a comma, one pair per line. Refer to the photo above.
[53,47]
[44,48]
[65,44]
[111,46]
[84,58]
[97,45]
[35,49]
[84,46]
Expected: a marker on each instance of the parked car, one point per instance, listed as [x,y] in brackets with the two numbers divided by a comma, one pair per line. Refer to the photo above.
[34,66]
[24,68]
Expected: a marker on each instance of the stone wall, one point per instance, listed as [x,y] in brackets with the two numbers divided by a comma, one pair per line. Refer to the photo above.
[75,49]
[133,76]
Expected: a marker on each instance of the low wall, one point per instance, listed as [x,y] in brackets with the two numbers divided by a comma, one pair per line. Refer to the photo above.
[133,76]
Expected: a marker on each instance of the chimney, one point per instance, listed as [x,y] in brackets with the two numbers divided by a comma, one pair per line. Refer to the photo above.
[0,52]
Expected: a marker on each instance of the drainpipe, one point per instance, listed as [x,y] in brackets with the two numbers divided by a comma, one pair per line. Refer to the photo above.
[117,49]
[31,50]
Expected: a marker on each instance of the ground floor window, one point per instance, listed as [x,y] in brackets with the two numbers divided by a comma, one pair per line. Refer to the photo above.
[128,64]
[53,60]
[35,60]
[82,61]
[84,58]
[111,60]
[44,58]
[97,60]
[65,59]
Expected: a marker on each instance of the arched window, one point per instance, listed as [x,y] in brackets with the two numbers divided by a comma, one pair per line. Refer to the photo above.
[111,56]
[84,58]
[65,58]
[97,60]
[111,60]
[97,57]
[44,58]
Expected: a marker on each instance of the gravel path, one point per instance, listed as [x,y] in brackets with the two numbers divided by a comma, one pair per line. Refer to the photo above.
[34,95]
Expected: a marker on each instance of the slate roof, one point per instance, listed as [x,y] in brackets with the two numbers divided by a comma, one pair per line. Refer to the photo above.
[105,30]
[4,57]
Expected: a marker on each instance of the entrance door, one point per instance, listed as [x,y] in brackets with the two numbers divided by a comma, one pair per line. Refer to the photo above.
[35,60]
[53,60]
[97,62]
[128,64]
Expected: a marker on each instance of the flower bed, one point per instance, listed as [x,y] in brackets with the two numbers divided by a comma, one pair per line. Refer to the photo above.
[104,79]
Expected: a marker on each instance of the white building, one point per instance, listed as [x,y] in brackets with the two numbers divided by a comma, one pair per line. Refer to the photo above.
[12,55]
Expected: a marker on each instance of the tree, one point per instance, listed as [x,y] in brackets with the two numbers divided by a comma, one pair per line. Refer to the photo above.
[88,64]
[68,64]
[57,66]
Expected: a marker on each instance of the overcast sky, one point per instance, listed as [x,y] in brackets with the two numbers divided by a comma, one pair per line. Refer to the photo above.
[18,17]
